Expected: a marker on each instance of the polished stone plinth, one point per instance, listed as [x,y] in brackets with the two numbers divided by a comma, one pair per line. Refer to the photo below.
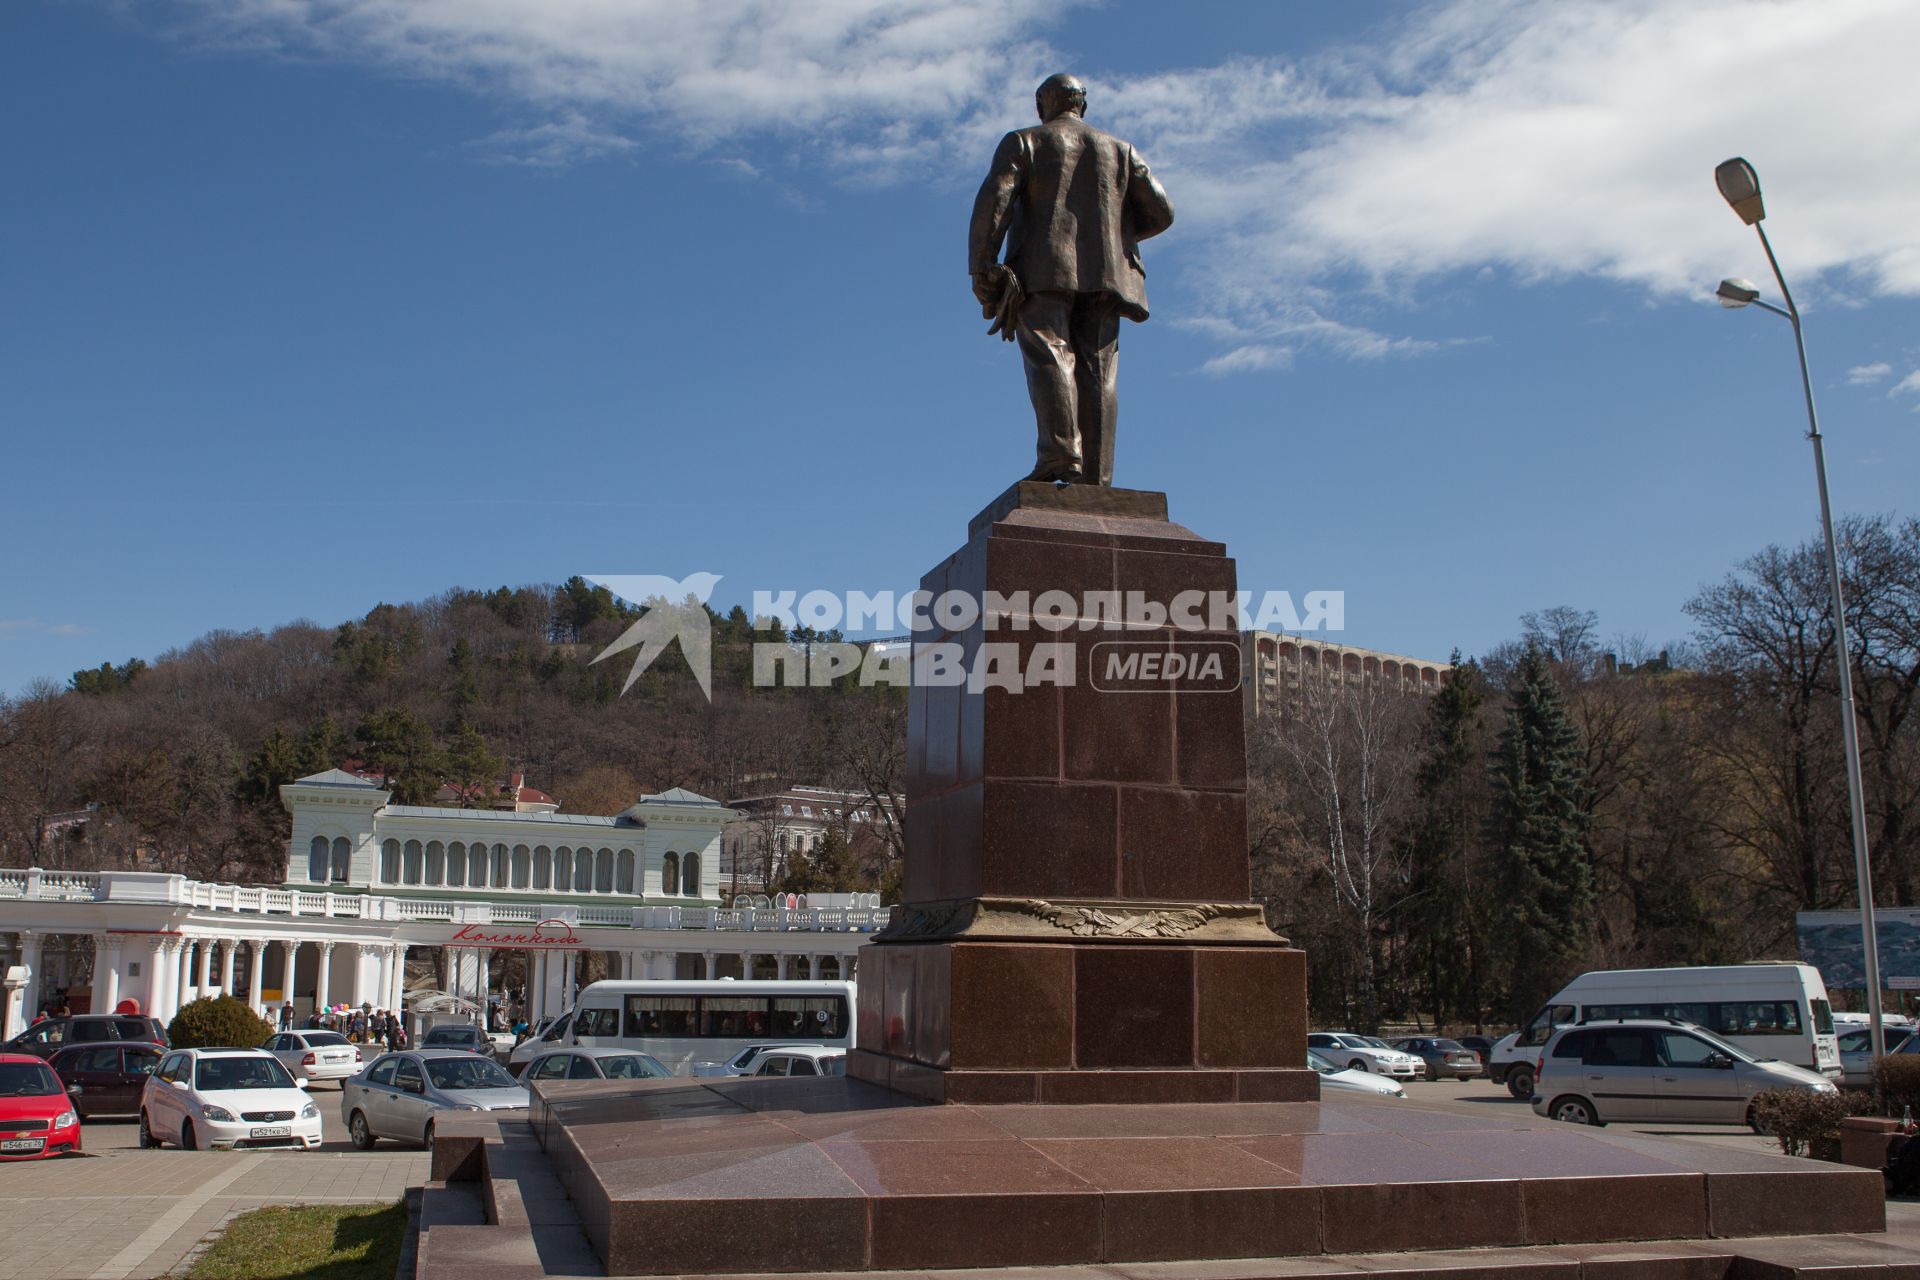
[743,1175]
[1077,924]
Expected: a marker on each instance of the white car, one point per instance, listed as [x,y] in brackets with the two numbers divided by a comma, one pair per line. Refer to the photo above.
[546,1036]
[747,1061]
[1345,1081]
[1856,1052]
[801,1060]
[1365,1053]
[316,1055]
[201,1098]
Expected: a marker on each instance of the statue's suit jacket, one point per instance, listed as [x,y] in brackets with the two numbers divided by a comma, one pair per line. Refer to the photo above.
[1073,204]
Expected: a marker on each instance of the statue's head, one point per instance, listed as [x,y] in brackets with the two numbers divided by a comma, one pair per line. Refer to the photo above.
[1060,93]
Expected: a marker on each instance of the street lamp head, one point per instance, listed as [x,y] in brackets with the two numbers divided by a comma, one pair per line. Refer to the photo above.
[1740,187]
[1736,293]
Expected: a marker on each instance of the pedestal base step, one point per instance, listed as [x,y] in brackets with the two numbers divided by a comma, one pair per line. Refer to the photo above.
[729,1176]
[1082,1088]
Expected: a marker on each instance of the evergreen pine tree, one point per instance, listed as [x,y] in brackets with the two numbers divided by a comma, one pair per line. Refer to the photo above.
[1539,829]
[1440,922]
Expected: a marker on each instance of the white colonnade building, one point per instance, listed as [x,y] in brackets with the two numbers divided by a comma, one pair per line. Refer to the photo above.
[370,884]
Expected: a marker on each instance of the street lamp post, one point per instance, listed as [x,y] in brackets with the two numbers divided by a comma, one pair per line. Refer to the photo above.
[1740,186]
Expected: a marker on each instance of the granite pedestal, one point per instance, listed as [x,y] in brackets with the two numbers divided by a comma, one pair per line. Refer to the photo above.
[1078,925]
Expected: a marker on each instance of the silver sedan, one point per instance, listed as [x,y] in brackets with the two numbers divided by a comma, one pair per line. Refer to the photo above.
[611,1063]
[400,1094]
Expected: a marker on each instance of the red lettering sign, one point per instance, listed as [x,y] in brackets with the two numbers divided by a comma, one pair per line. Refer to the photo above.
[548,933]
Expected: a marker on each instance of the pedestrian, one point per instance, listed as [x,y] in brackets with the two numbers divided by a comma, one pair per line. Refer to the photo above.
[286,1016]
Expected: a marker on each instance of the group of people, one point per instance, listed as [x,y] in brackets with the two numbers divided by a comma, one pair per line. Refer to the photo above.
[365,1025]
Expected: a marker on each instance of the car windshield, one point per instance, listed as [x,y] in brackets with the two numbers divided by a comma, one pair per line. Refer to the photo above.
[1320,1064]
[324,1039]
[632,1066]
[27,1080]
[1350,1042]
[214,1075]
[468,1073]
[451,1035]
[1374,1042]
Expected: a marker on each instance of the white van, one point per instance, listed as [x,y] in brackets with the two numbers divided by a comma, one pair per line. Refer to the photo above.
[1770,1010]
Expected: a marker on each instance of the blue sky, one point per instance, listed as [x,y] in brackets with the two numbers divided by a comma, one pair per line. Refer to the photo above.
[311,304]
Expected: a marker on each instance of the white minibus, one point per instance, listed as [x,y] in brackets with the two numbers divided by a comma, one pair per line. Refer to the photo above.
[1770,1010]
[682,1022]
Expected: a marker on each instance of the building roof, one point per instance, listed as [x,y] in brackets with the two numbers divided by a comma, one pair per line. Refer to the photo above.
[338,778]
[678,796]
[508,815]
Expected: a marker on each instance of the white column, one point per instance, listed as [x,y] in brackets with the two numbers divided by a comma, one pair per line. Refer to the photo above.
[707,972]
[183,975]
[813,966]
[106,972]
[176,953]
[536,986]
[746,966]
[483,960]
[567,990]
[205,979]
[782,960]
[362,953]
[156,962]
[320,982]
[291,949]
[32,945]
[399,996]
[226,966]
[383,979]
[256,971]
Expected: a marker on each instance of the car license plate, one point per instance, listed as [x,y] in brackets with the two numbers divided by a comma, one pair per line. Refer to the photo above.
[271,1131]
[22,1144]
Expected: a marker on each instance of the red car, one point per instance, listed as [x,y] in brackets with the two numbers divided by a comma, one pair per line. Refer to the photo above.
[36,1117]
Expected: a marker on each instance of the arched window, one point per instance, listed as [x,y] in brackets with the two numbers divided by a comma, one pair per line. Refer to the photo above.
[410,863]
[583,871]
[499,866]
[690,875]
[436,862]
[562,869]
[317,859]
[456,864]
[477,866]
[603,872]
[543,868]
[390,862]
[623,876]
[522,866]
[670,873]
[342,858]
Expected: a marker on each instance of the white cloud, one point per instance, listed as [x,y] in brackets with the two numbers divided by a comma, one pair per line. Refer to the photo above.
[1550,139]
[1865,375]
[25,626]
[1910,383]
[566,140]
[1250,359]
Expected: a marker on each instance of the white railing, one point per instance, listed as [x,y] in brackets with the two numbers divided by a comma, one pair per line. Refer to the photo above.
[159,889]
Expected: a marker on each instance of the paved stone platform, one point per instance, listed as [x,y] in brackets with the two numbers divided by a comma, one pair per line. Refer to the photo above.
[740,1175]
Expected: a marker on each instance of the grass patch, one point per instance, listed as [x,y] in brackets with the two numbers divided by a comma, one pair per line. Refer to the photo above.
[309,1241]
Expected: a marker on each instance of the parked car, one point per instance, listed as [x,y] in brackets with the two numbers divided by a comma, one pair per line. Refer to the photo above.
[1443,1058]
[401,1093]
[1769,1010]
[1342,1080]
[1364,1053]
[458,1035]
[106,1079]
[1856,1053]
[1481,1045]
[316,1055]
[46,1036]
[236,1098]
[742,1063]
[1650,1069]
[36,1118]
[595,1064]
[801,1060]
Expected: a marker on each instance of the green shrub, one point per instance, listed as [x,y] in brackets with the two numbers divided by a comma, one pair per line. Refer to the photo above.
[1897,1080]
[221,1021]
[1800,1120]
